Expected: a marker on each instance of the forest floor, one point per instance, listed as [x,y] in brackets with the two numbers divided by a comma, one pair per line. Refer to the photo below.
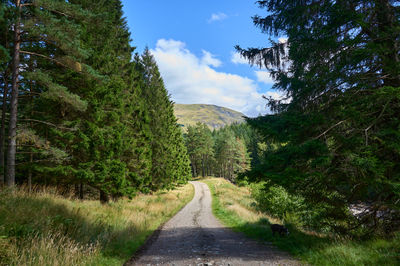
[236,208]
[195,237]
[43,228]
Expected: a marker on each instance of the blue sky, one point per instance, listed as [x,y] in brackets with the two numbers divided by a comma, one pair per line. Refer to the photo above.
[193,43]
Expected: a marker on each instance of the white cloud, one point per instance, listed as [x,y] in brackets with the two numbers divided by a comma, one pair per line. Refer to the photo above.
[217,17]
[237,58]
[274,95]
[264,77]
[191,79]
[210,60]
[283,40]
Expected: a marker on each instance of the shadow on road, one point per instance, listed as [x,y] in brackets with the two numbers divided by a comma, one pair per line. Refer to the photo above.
[191,244]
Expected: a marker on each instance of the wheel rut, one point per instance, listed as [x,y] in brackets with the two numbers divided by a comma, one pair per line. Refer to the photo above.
[195,237]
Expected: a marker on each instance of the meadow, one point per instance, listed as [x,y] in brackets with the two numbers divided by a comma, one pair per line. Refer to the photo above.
[47,229]
[235,207]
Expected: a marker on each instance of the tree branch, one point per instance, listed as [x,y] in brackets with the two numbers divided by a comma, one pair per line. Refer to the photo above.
[46,57]
[376,120]
[47,123]
[329,129]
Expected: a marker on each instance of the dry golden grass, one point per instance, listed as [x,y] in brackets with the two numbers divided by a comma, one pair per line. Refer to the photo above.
[238,200]
[47,229]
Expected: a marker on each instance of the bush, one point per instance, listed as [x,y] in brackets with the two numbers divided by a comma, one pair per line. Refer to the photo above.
[277,202]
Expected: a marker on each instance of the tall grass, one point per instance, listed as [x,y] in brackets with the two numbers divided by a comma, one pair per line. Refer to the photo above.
[46,229]
[235,207]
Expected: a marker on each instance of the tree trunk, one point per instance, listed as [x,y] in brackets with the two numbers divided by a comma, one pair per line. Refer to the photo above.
[202,167]
[12,130]
[81,191]
[3,129]
[30,173]
[194,168]
[31,155]
[104,198]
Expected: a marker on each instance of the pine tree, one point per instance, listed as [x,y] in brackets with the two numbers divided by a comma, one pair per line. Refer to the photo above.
[88,115]
[201,148]
[36,27]
[112,150]
[230,154]
[4,78]
[338,137]
[169,163]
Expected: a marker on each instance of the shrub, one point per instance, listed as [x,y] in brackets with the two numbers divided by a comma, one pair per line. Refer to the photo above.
[277,202]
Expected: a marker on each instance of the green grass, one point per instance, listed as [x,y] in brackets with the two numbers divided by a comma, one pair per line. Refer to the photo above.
[234,206]
[46,229]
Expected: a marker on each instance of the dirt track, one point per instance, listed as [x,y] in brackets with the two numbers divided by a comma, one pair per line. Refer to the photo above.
[195,237]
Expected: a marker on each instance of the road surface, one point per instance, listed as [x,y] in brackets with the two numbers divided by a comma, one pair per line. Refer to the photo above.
[195,237]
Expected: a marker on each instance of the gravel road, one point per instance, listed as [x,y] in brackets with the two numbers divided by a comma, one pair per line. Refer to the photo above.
[195,237]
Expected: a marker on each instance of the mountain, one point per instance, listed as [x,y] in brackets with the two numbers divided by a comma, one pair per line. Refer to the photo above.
[213,116]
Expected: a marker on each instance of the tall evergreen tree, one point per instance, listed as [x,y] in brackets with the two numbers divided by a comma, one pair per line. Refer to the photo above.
[201,148]
[37,44]
[87,113]
[168,154]
[339,134]
[112,151]
[5,25]
[231,154]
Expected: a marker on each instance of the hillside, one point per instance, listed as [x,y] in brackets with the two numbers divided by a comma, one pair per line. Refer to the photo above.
[213,116]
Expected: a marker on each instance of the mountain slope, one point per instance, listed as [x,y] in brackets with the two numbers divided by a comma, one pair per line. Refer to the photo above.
[213,116]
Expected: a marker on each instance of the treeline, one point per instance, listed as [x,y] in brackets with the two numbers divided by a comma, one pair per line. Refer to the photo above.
[78,107]
[333,139]
[226,152]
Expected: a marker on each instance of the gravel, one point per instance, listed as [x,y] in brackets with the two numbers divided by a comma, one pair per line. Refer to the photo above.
[195,237]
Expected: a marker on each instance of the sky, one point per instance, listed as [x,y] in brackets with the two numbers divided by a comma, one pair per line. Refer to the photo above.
[193,44]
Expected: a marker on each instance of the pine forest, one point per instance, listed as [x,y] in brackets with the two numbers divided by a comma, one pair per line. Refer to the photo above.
[283,146]
[79,107]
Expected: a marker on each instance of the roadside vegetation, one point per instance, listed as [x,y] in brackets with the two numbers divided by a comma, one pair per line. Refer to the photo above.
[47,229]
[79,113]
[237,208]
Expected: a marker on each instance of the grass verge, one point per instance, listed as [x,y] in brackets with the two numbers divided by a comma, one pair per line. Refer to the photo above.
[46,229]
[234,206]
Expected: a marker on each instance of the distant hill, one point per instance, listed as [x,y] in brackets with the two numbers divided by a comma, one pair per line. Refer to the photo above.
[213,116]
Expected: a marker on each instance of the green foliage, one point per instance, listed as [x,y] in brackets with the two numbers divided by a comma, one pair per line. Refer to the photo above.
[200,145]
[275,200]
[309,247]
[227,152]
[170,164]
[334,136]
[88,114]
[231,154]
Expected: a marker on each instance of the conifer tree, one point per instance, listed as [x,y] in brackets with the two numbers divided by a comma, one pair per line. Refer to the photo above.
[338,136]
[169,163]
[4,78]
[113,149]
[201,148]
[87,113]
[36,27]
[231,154]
